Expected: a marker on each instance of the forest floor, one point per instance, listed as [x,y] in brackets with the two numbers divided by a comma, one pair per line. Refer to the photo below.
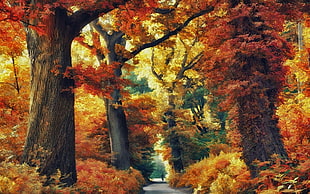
[161,187]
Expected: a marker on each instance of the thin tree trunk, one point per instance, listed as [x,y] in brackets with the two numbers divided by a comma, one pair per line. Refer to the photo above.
[17,87]
[117,122]
[173,137]
[118,132]
[50,140]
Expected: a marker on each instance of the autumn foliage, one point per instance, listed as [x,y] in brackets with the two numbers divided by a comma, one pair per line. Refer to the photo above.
[223,173]
[97,177]
[220,88]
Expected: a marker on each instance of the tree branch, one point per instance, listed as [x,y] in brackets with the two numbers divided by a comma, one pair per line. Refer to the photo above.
[103,33]
[15,75]
[194,61]
[171,33]
[81,18]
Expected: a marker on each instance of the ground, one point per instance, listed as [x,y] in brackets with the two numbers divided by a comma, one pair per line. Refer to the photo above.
[162,187]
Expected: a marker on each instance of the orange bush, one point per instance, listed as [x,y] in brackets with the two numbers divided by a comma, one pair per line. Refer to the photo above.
[93,177]
[96,177]
[16,178]
[280,176]
[295,126]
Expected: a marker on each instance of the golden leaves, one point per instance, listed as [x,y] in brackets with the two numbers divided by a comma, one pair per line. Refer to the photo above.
[225,173]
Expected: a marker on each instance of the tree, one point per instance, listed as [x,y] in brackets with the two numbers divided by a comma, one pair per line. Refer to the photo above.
[294,112]
[116,55]
[173,73]
[50,28]
[249,55]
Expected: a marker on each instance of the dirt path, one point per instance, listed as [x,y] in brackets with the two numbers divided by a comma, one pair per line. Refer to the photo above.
[163,188]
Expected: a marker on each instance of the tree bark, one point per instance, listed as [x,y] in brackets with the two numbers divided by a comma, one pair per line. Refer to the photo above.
[173,137]
[118,132]
[258,127]
[261,68]
[50,140]
[117,123]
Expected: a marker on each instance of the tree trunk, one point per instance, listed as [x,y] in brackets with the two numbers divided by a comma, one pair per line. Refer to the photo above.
[118,132]
[117,123]
[258,125]
[261,68]
[173,137]
[50,140]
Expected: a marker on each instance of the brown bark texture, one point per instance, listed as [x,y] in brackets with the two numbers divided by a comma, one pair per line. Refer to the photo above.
[50,140]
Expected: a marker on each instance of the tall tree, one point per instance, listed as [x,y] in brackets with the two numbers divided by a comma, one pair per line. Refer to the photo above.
[116,118]
[51,26]
[249,53]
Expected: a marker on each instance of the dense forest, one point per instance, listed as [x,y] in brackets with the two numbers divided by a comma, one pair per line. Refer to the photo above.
[95,93]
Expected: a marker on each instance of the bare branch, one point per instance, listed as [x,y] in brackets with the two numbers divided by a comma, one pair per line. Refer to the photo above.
[15,75]
[194,61]
[163,11]
[103,33]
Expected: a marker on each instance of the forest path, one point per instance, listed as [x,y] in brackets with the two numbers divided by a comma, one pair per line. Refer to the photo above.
[159,187]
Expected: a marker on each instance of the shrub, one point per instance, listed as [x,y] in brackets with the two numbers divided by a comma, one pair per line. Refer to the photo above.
[223,173]
[280,176]
[19,178]
[96,177]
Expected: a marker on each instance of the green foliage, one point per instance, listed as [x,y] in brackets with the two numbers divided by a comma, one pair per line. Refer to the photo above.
[159,168]
[145,167]
[195,98]
[138,85]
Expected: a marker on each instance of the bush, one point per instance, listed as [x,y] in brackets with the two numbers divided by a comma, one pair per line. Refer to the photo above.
[280,176]
[223,173]
[96,177]
[93,177]
[19,178]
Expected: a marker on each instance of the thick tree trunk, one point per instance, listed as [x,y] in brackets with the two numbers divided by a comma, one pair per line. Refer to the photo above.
[50,140]
[261,68]
[258,126]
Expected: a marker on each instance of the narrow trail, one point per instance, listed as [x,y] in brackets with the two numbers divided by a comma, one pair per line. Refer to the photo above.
[160,187]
